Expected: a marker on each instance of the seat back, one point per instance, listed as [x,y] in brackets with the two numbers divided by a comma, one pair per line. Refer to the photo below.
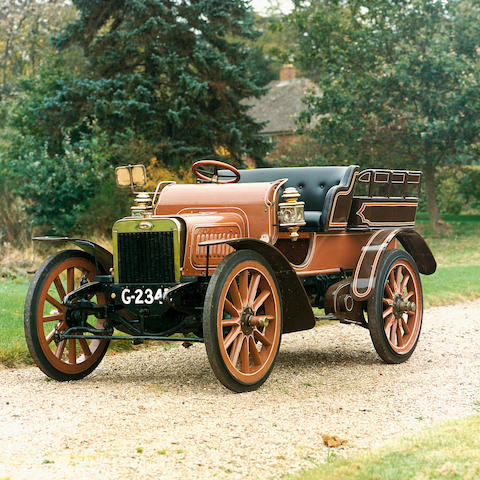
[313,184]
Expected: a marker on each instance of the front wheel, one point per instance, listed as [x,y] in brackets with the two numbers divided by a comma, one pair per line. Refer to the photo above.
[395,310]
[242,321]
[70,359]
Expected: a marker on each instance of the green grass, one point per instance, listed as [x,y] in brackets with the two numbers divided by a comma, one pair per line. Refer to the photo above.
[13,349]
[457,280]
[457,252]
[448,451]
[451,285]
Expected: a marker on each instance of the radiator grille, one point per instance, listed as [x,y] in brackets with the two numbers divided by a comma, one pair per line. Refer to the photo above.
[146,257]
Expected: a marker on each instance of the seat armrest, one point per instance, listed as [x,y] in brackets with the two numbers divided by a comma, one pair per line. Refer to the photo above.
[338,201]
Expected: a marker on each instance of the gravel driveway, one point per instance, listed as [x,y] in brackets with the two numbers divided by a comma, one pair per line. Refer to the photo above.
[160,413]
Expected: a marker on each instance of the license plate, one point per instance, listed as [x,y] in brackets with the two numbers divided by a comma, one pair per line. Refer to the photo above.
[143,296]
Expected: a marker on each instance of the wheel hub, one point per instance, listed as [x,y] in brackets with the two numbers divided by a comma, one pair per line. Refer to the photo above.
[400,306]
[247,328]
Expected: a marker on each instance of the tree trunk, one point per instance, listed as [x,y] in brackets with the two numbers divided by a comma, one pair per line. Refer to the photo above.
[435,221]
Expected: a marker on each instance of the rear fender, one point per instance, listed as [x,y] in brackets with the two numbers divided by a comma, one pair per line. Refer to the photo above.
[102,256]
[364,277]
[297,311]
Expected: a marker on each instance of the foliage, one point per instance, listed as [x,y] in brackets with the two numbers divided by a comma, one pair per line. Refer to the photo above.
[400,81]
[469,187]
[25,29]
[173,73]
[270,49]
[58,186]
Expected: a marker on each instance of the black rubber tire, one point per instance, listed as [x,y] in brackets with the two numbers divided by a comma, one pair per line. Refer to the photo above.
[211,305]
[30,318]
[375,308]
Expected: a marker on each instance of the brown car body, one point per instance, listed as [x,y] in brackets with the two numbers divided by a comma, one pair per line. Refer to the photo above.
[328,255]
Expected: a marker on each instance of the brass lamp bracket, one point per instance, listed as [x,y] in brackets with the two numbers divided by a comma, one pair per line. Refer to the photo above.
[291,212]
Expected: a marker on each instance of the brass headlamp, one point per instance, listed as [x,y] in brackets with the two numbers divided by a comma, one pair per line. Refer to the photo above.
[291,212]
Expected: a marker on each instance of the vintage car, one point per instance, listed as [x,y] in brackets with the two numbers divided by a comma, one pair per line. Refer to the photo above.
[235,261]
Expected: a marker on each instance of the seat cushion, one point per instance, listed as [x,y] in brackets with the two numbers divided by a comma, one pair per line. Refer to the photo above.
[312,183]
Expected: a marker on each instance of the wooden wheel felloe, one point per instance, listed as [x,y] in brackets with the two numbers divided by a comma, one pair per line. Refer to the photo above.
[70,359]
[395,310]
[242,321]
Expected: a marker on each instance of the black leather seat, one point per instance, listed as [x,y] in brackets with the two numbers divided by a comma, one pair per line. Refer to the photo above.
[316,186]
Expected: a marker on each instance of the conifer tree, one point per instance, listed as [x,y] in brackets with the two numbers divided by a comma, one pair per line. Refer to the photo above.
[172,73]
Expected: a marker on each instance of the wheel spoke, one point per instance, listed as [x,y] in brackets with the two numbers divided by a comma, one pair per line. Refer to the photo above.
[399,336]
[231,336]
[387,312]
[85,347]
[57,317]
[389,291]
[389,323]
[253,288]
[235,294]
[70,279]
[230,322]
[405,280]
[254,352]
[54,302]
[261,337]
[391,278]
[59,287]
[245,356]
[243,281]
[230,308]
[406,328]
[260,300]
[235,353]
[60,349]
[72,351]
[50,336]
[393,331]
[398,278]
[387,301]
[408,295]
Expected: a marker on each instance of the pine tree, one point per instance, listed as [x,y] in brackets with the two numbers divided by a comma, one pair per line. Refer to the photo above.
[170,72]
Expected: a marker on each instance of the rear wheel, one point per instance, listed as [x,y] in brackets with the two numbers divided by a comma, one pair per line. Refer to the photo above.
[395,310]
[242,321]
[70,359]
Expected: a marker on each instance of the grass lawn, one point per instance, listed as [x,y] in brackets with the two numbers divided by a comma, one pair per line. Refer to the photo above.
[448,451]
[13,349]
[457,279]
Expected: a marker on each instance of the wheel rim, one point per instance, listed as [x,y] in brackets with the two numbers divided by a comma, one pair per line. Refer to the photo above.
[402,306]
[73,355]
[249,322]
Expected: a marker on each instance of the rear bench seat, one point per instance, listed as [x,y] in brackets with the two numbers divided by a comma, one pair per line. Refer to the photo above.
[316,185]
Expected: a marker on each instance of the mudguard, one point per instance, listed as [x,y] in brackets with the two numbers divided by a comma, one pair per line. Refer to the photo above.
[100,254]
[364,277]
[297,311]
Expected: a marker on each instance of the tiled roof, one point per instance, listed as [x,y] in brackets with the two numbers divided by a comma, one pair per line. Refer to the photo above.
[281,105]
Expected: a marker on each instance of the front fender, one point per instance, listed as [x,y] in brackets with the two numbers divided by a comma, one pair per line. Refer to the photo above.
[297,311]
[364,277]
[100,254]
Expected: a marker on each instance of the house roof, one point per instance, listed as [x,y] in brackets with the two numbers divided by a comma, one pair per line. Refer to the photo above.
[281,105]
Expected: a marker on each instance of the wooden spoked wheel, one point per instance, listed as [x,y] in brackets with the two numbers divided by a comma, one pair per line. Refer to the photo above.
[242,321]
[396,308]
[69,359]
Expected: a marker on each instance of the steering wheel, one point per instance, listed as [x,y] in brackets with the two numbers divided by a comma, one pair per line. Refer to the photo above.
[211,174]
